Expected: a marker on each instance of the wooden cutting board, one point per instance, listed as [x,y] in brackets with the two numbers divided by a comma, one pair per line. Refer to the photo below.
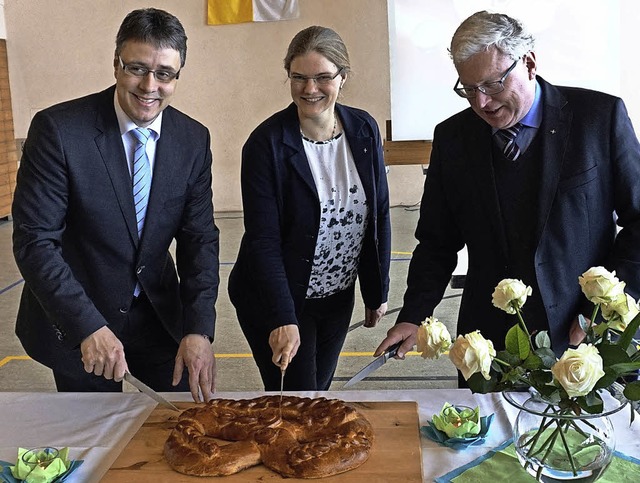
[395,457]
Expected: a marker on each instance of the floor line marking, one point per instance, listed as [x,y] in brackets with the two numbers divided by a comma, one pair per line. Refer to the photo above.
[11,358]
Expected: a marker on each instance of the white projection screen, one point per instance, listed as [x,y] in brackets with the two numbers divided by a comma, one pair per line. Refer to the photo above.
[577,43]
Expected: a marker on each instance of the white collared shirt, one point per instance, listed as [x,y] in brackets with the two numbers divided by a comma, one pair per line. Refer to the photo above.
[126,124]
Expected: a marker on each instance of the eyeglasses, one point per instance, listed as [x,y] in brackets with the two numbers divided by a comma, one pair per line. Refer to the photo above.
[489,88]
[321,80]
[164,76]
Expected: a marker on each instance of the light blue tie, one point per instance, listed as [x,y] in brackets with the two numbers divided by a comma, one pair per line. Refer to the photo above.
[141,176]
[141,182]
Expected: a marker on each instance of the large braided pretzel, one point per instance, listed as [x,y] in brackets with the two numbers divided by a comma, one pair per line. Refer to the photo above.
[306,438]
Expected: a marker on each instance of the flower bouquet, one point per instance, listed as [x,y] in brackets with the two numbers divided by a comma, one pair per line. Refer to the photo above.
[570,389]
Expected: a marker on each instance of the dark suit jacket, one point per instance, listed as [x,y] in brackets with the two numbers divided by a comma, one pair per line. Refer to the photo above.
[282,217]
[590,168]
[75,238]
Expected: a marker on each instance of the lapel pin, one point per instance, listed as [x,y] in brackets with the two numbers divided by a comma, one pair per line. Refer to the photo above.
[365,150]
[553,131]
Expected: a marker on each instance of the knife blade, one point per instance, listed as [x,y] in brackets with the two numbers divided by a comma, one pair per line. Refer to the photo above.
[142,387]
[376,364]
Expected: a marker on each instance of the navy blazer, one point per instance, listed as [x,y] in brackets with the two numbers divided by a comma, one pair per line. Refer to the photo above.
[282,216]
[75,237]
[590,167]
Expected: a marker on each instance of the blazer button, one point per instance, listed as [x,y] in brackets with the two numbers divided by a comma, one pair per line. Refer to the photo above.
[58,332]
[140,269]
[123,310]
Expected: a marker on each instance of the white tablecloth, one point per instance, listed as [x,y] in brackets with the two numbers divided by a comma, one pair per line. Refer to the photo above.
[96,427]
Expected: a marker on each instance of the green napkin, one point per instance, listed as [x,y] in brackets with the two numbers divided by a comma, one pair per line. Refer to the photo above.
[504,466]
[38,474]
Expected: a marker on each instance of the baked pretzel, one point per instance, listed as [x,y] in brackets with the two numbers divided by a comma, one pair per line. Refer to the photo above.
[305,438]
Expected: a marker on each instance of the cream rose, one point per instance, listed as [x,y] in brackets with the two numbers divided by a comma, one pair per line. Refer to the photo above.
[510,294]
[600,286]
[472,353]
[433,338]
[620,312]
[578,370]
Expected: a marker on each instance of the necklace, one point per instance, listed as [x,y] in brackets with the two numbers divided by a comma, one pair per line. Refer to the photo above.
[333,133]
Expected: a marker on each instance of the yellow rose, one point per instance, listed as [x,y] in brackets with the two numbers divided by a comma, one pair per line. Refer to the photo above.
[472,353]
[620,312]
[433,338]
[600,286]
[578,370]
[510,294]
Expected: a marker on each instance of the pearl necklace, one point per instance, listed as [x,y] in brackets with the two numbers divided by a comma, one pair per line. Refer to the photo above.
[333,133]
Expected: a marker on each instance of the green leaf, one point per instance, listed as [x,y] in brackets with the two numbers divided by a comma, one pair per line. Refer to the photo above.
[609,378]
[533,362]
[592,403]
[625,368]
[478,384]
[612,354]
[517,342]
[511,359]
[540,378]
[547,356]
[632,391]
[627,336]
[542,339]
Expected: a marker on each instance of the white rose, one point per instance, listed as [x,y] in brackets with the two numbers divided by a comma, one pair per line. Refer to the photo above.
[472,353]
[510,294]
[578,370]
[433,338]
[600,286]
[620,312]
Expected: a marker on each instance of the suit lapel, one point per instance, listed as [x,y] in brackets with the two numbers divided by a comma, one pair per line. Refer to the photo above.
[166,170]
[109,143]
[298,159]
[361,148]
[554,129]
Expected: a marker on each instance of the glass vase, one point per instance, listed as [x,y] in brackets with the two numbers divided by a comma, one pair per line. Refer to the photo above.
[554,444]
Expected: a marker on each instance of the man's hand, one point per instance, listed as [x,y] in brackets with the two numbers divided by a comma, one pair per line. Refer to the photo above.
[196,355]
[372,317]
[576,334]
[404,332]
[284,342]
[103,355]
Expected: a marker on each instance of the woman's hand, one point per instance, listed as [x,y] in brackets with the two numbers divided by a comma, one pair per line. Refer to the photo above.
[284,342]
[372,317]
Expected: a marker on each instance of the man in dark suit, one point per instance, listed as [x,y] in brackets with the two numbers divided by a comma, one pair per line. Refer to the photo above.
[102,296]
[542,209]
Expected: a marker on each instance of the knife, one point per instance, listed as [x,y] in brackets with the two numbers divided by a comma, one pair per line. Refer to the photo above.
[376,364]
[142,387]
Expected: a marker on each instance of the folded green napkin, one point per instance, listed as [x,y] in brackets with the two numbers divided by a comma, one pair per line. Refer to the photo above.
[501,464]
[35,473]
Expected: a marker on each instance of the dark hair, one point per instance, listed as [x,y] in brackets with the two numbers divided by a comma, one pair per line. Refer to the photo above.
[322,40]
[155,27]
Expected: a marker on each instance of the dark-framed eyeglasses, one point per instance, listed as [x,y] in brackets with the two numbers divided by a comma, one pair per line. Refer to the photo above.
[137,70]
[322,80]
[488,88]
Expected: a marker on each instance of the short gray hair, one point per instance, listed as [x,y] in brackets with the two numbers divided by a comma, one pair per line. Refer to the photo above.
[484,30]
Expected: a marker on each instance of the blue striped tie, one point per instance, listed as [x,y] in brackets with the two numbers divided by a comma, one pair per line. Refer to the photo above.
[511,149]
[141,176]
[141,182]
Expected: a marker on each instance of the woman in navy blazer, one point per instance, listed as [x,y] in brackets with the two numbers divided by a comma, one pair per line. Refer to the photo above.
[316,216]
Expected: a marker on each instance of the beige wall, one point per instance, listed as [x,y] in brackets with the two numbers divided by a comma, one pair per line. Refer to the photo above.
[233,78]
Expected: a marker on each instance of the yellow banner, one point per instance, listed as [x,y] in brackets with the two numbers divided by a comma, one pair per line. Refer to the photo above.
[221,12]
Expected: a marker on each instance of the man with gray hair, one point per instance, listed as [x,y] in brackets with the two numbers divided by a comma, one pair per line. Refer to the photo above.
[533,179]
